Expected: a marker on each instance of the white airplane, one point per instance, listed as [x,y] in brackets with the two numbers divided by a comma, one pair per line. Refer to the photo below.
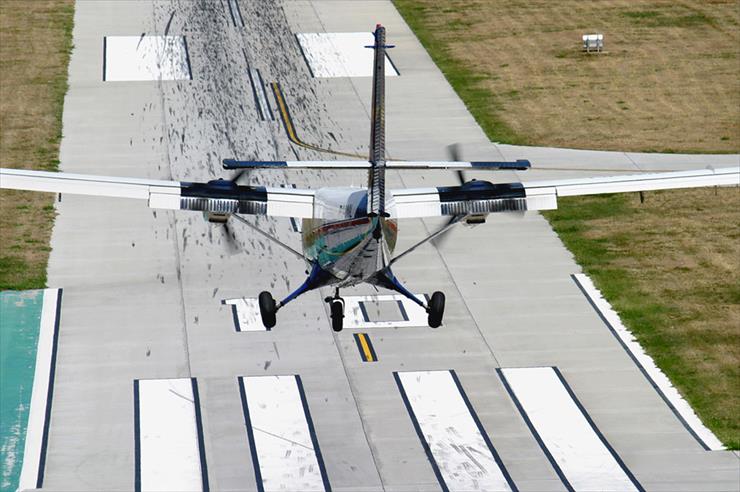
[349,233]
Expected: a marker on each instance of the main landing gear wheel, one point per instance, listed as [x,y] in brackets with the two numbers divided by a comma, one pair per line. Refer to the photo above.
[268,309]
[436,309]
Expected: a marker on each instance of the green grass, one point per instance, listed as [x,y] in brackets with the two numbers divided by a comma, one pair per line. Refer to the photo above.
[59,86]
[466,82]
[652,18]
[17,274]
[35,47]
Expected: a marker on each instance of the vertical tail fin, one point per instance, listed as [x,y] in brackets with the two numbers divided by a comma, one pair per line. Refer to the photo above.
[376,204]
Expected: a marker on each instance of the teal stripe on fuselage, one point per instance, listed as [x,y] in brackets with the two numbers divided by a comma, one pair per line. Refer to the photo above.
[327,255]
[20,318]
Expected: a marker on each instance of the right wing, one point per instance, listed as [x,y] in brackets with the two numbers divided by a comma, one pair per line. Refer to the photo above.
[481,197]
[217,196]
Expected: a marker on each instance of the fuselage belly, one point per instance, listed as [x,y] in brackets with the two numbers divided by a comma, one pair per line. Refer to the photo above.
[349,249]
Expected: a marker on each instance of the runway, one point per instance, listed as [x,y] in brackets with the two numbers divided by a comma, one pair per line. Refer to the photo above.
[145,313]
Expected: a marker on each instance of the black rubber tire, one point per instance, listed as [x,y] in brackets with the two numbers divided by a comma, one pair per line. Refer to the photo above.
[436,309]
[267,309]
[337,315]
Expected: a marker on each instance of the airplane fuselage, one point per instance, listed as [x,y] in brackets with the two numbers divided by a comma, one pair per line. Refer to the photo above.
[352,249]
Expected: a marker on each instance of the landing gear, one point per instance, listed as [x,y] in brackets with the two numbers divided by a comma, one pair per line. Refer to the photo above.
[268,309]
[436,309]
[336,305]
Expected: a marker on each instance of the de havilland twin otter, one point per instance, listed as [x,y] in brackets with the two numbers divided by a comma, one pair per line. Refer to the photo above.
[349,233]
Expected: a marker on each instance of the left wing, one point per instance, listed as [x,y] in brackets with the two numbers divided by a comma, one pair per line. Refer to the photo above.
[217,196]
[481,197]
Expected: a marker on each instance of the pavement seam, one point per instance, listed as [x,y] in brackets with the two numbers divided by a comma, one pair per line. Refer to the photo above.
[173,225]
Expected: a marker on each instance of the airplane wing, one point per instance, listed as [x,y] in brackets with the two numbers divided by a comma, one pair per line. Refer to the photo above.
[218,196]
[480,197]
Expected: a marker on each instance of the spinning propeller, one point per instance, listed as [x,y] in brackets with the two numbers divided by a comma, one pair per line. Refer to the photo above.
[453,151]
[232,245]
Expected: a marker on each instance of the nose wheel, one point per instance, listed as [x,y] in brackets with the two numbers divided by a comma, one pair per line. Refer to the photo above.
[336,305]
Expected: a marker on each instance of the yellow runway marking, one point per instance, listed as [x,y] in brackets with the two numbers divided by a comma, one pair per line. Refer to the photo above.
[290,129]
[366,347]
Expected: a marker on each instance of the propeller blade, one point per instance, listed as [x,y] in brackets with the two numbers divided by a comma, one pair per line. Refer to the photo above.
[232,245]
[453,151]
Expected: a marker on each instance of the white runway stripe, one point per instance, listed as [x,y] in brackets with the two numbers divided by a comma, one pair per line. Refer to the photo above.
[246,314]
[260,94]
[169,453]
[282,440]
[141,58]
[645,363]
[461,454]
[34,453]
[358,310]
[341,54]
[581,456]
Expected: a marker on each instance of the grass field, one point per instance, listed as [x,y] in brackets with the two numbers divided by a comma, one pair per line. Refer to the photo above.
[668,82]
[35,42]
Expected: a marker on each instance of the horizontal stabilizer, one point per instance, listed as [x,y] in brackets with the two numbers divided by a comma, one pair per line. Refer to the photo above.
[234,164]
[519,165]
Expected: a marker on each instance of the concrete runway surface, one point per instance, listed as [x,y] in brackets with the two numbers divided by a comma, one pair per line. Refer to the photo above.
[143,289]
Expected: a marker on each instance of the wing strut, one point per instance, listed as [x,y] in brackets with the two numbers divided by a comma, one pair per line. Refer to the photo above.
[453,222]
[268,236]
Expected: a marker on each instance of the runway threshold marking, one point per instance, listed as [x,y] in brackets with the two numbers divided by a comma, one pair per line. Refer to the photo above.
[657,379]
[169,452]
[42,392]
[357,315]
[282,440]
[458,448]
[290,128]
[365,346]
[341,54]
[146,58]
[576,449]
[245,312]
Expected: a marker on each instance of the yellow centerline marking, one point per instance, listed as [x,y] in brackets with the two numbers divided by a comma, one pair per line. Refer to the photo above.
[290,129]
[365,347]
